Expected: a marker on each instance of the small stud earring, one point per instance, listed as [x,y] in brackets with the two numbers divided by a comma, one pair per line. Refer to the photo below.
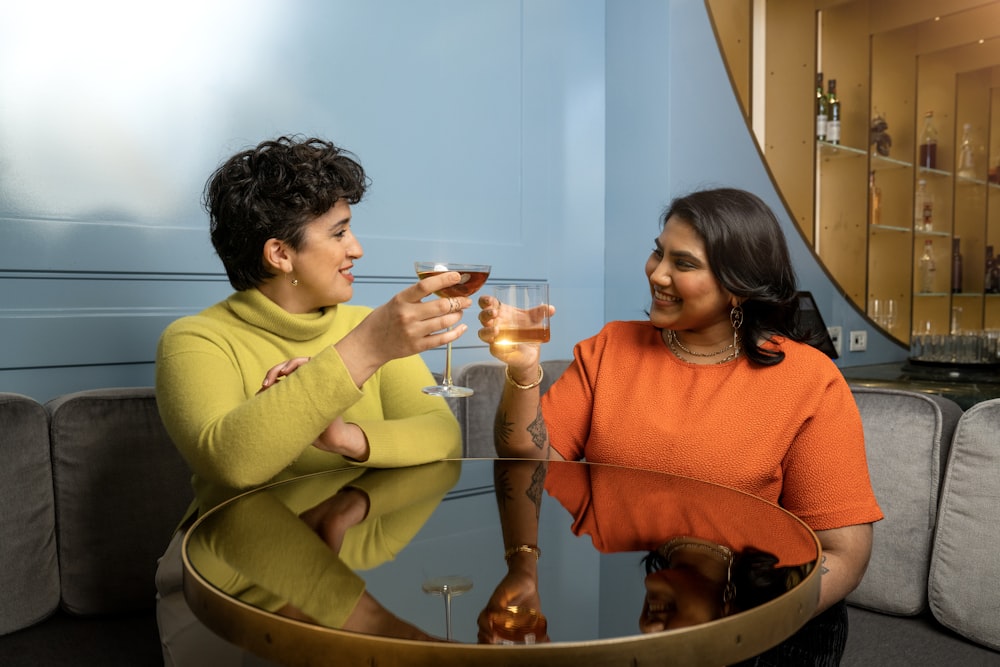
[295,282]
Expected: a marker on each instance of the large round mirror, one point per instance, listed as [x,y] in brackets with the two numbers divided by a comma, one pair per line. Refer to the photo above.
[909,240]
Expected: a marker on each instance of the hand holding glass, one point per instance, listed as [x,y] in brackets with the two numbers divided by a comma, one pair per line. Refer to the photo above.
[523,315]
[473,277]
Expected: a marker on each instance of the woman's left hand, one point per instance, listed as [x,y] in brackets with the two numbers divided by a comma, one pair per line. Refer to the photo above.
[339,437]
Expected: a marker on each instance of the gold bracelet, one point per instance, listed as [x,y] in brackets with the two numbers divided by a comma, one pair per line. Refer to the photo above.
[526,548]
[534,384]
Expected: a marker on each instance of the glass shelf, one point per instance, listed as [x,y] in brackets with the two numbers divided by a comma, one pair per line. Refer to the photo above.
[936,173]
[829,151]
[940,234]
[883,163]
[893,228]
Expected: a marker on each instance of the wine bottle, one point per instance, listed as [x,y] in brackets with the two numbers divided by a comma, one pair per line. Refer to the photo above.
[822,112]
[833,105]
[927,268]
[956,265]
[966,156]
[928,143]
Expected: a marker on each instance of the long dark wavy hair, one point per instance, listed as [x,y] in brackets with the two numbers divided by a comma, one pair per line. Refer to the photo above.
[273,191]
[756,576]
[748,255]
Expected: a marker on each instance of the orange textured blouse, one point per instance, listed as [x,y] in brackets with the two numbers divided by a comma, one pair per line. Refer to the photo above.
[789,433]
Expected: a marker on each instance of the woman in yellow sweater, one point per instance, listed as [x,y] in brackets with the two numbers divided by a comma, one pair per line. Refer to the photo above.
[281,224]
[718,384]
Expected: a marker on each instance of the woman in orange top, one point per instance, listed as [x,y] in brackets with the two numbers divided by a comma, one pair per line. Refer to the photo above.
[718,384]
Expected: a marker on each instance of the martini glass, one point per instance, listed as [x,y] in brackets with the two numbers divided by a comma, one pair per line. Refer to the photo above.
[473,277]
[447,587]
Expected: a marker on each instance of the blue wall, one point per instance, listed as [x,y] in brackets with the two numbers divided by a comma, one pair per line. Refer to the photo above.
[543,137]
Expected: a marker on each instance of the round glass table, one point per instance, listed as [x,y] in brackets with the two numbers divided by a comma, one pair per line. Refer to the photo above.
[616,556]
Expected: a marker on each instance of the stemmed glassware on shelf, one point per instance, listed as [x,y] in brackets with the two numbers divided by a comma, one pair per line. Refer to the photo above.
[473,277]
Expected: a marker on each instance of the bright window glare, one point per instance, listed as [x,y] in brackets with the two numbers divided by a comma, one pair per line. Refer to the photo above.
[102,103]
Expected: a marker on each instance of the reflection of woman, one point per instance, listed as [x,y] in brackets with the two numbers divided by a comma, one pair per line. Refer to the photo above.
[518,486]
[690,580]
[718,384]
[295,549]
[281,224]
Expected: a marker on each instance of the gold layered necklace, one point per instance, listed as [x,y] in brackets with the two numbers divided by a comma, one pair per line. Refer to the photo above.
[676,346]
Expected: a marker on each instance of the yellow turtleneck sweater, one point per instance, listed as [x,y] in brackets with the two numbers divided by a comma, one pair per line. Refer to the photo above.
[209,368]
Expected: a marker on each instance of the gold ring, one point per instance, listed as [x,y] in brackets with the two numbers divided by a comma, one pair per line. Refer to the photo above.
[454,304]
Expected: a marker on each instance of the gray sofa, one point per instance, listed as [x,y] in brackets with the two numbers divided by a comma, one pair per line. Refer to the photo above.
[91,488]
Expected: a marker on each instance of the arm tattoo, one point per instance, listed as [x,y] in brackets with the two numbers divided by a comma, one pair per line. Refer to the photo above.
[501,483]
[536,428]
[501,430]
[534,491]
[823,569]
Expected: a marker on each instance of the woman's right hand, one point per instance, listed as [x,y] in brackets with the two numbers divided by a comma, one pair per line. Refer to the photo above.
[521,358]
[518,587]
[409,323]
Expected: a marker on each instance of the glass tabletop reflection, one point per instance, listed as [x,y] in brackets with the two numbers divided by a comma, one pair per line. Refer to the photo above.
[632,566]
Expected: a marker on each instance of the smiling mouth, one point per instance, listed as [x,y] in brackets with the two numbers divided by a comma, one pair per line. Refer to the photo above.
[663,296]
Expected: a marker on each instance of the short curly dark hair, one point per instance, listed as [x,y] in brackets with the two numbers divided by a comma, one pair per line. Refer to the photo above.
[273,191]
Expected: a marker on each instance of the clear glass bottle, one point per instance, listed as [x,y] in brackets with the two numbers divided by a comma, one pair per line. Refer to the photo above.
[956,265]
[966,155]
[833,104]
[923,208]
[918,205]
[520,625]
[927,268]
[822,112]
[875,192]
[928,143]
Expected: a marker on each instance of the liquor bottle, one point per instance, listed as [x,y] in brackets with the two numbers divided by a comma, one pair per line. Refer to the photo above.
[989,282]
[875,192]
[956,266]
[918,205]
[966,156]
[927,269]
[833,123]
[928,143]
[923,208]
[822,112]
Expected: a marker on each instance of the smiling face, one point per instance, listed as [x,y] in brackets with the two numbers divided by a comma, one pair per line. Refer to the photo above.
[686,295]
[321,264]
[679,598]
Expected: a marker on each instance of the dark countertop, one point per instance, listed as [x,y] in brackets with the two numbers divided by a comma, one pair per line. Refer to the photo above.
[964,384]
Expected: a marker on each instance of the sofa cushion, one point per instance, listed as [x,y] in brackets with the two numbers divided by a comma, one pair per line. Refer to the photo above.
[29,577]
[121,487]
[907,435]
[882,640]
[476,413]
[964,587]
